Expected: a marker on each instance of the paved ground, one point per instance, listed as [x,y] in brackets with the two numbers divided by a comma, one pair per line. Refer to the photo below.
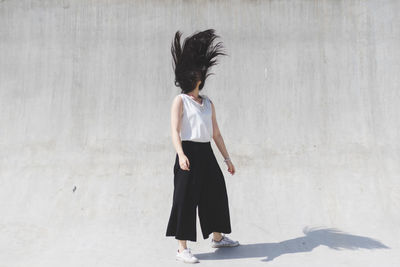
[307,102]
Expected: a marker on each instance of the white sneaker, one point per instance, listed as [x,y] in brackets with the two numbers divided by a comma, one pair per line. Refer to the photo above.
[224,242]
[186,256]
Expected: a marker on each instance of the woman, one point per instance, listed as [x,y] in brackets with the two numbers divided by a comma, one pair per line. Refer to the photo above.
[198,179]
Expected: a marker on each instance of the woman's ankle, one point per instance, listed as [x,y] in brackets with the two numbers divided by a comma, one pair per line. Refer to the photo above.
[217,237]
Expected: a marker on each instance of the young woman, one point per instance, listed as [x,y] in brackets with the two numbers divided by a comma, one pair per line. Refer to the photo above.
[198,179]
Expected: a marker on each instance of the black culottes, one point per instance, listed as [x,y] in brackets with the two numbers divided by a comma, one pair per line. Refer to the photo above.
[203,186]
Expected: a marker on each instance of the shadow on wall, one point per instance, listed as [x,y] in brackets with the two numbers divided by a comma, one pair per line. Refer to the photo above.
[330,237]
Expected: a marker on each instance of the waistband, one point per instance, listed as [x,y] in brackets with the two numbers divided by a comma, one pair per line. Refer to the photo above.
[196,143]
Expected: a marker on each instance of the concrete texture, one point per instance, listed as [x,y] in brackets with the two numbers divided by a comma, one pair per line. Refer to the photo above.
[308,104]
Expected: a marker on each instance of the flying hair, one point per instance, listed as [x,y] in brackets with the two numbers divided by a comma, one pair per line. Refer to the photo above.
[192,60]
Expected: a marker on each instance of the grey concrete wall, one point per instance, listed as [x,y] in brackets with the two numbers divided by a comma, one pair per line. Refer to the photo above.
[307,102]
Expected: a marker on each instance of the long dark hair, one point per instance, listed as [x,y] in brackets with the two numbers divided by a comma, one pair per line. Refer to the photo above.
[192,60]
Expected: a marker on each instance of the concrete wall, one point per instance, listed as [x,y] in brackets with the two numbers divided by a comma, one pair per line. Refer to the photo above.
[307,102]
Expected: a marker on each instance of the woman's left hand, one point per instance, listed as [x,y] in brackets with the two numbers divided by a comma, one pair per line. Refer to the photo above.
[231,168]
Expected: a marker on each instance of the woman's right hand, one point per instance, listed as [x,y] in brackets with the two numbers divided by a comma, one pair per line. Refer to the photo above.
[184,162]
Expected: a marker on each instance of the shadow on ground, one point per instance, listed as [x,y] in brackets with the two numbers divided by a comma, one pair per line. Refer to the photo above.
[330,237]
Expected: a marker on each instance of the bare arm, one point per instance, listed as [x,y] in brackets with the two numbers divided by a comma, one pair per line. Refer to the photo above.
[219,141]
[217,136]
[176,120]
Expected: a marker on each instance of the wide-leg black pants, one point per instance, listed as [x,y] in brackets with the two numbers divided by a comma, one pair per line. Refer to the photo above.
[203,186]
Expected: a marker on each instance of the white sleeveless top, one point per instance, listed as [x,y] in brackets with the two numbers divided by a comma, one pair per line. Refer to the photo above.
[196,119]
